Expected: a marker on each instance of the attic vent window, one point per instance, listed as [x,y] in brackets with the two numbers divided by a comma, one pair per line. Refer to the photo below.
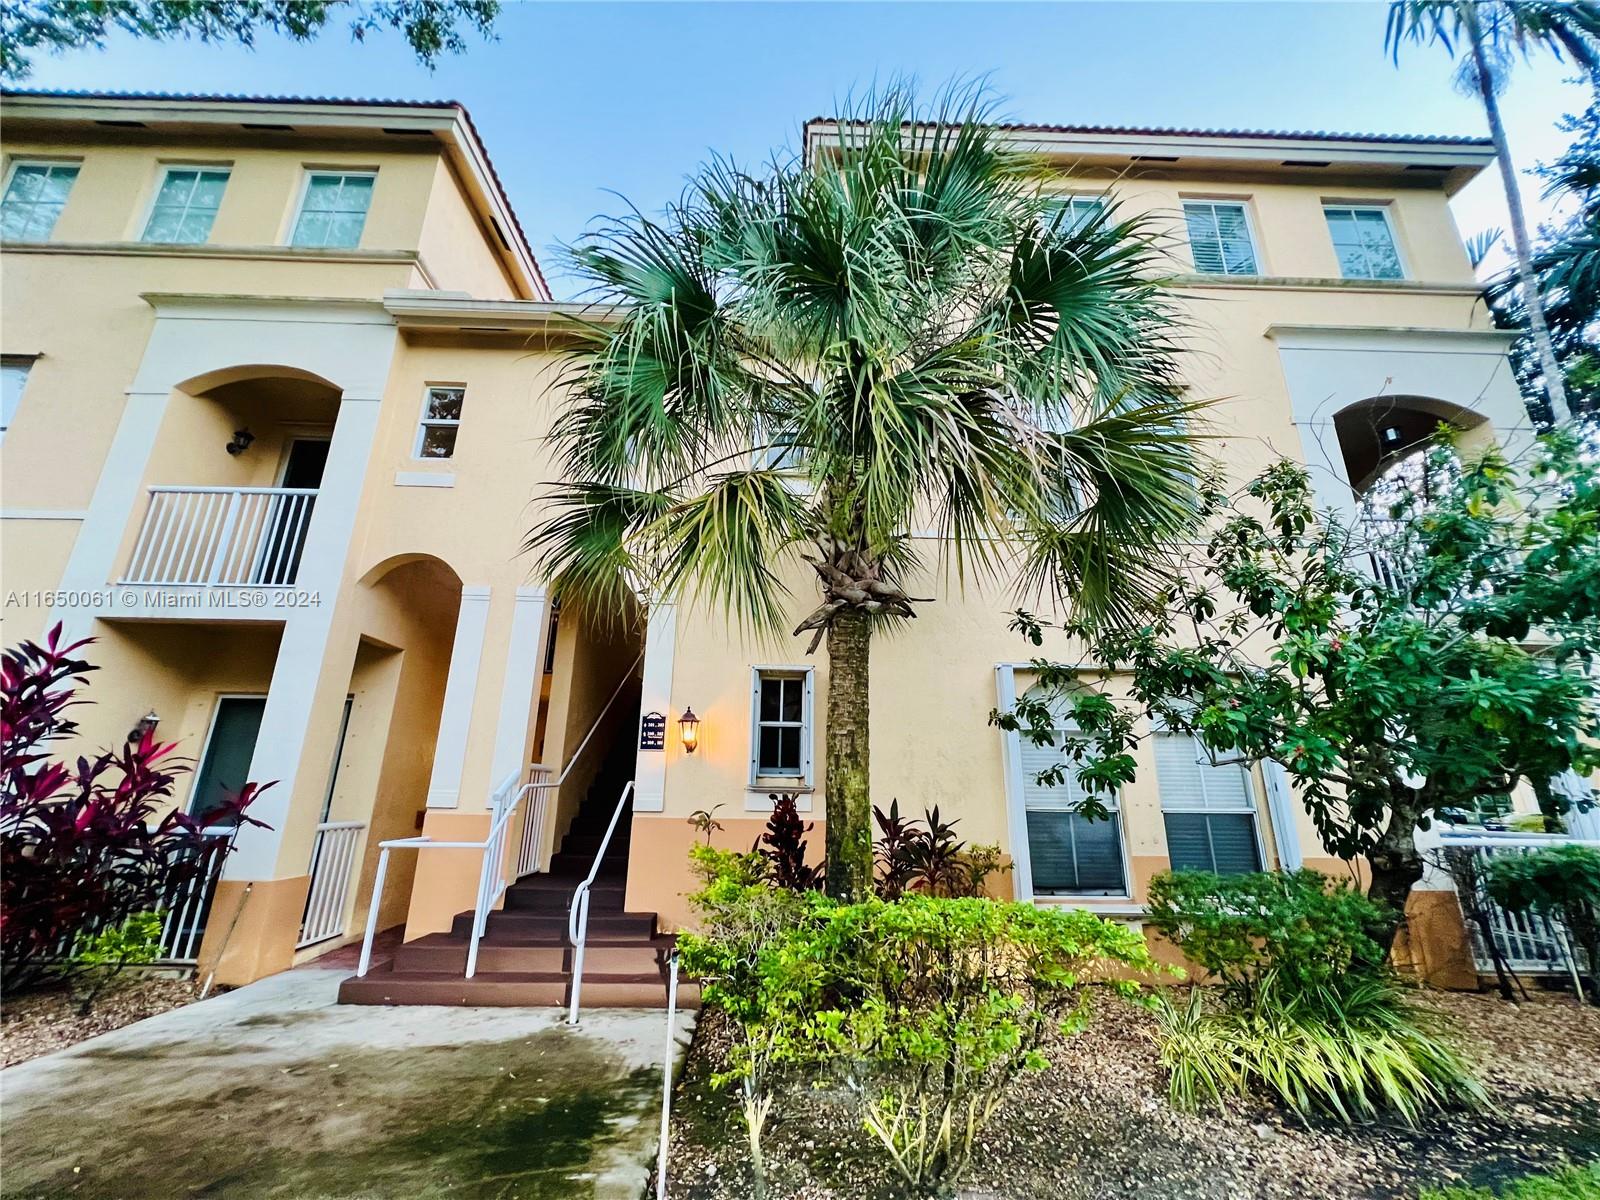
[499,233]
[1304,162]
[264,127]
[123,124]
[1429,167]
[409,132]
[1155,158]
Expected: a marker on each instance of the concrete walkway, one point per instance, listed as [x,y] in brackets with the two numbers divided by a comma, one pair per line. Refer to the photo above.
[275,1091]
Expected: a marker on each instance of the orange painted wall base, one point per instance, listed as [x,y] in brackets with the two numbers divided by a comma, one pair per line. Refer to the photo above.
[264,917]
[446,881]
[1434,946]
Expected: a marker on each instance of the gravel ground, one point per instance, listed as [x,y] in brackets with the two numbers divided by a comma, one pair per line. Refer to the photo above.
[1097,1124]
[40,1022]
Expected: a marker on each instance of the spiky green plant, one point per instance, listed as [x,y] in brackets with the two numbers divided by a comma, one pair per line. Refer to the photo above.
[1353,1051]
[899,332]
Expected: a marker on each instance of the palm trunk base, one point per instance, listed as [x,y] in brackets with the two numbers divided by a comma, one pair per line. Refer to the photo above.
[848,762]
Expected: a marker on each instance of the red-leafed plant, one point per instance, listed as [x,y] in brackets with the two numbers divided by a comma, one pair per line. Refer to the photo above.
[783,845]
[87,844]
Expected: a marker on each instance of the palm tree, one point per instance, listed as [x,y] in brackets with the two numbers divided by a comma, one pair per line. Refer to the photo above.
[1491,32]
[806,364]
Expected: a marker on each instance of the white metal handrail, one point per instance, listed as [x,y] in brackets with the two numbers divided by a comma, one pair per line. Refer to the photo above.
[215,536]
[666,1077]
[578,915]
[333,860]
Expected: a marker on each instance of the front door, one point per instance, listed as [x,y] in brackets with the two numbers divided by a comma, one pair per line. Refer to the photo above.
[290,516]
[225,762]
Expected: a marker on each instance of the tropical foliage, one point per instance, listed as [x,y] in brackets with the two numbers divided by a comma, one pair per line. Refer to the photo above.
[99,957]
[86,844]
[430,27]
[899,341]
[1558,881]
[1353,1049]
[925,855]
[1489,35]
[1434,658]
[926,1009]
[1301,928]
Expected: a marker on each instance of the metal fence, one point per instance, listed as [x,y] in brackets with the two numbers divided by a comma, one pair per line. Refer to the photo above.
[1529,943]
[333,862]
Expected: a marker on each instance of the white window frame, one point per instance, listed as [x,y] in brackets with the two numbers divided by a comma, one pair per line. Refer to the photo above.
[1244,206]
[16,163]
[805,781]
[306,176]
[1251,803]
[155,197]
[1394,239]
[425,423]
[25,362]
[1008,693]
[1066,200]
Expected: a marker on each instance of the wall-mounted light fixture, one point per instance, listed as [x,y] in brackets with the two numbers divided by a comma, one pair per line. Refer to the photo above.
[241,442]
[144,726]
[1391,436]
[689,729]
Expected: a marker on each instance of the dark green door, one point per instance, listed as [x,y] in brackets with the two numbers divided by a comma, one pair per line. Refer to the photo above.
[225,766]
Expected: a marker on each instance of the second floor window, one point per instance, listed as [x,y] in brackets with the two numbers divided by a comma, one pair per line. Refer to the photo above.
[186,205]
[1219,238]
[334,210]
[1077,211]
[441,420]
[34,197]
[1364,241]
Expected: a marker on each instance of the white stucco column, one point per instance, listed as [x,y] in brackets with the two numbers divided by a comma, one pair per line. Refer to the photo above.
[655,695]
[524,658]
[461,686]
[92,563]
[298,671]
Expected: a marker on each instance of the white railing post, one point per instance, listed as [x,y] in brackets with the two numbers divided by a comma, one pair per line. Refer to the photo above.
[372,912]
[333,860]
[578,917]
[666,1076]
[224,544]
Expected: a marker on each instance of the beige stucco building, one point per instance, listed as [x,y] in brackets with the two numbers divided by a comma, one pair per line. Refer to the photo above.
[278,378]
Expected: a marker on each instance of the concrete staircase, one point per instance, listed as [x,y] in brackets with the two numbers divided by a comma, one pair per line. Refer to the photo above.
[524,957]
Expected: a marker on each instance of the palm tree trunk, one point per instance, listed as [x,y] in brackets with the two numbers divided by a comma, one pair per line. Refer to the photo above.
[1532,301]
[848,766]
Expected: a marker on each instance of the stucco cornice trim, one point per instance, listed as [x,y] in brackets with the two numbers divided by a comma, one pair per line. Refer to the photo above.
[240,307]
[1391,337]
[459,311]
[407,258]
[1304,283]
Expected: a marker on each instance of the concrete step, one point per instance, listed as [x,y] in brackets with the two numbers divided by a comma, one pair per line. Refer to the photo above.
[384,985]
[551,927]
[440,952]
[554,901]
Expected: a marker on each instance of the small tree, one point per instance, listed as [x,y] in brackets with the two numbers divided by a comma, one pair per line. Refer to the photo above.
[83,846]
[1436,658]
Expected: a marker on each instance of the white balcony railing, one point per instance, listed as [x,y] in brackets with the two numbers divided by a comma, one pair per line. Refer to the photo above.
[228,537]
[1528,942]
[333,861]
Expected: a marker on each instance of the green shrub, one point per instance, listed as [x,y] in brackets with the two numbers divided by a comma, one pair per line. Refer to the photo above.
[1562,881]
[1572,1183]
[98,959]
[927,1007]
[1308,929]
[1350,1051]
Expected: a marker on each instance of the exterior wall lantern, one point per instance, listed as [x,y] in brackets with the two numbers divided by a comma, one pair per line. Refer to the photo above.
[144,726]
[689,729]
[241,442]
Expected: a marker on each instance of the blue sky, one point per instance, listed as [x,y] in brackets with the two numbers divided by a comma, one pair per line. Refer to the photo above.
[575,100]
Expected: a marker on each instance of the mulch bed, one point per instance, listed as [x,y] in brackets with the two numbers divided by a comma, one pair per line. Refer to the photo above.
[41,1022]
[1097,1124]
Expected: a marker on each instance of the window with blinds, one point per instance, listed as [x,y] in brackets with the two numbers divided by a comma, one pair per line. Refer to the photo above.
[1076,211]
[1210,811]
[1070,854]
[1364,241]
[1219,238]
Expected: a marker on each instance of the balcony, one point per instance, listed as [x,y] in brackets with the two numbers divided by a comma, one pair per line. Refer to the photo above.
[221,537]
